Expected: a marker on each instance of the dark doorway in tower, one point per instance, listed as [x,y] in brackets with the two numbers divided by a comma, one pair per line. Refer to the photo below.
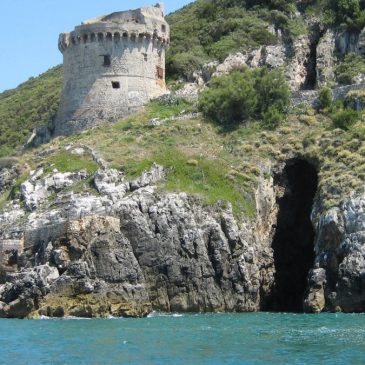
[293,243]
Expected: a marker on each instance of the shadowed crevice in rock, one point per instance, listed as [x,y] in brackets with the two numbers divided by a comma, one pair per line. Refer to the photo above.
[310,82]
[293,243]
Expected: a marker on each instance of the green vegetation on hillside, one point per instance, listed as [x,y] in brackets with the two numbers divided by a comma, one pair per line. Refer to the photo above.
[259,94]
[211,29]
[201,31]
[350,13]
[218,165]
[30,105]
[351,66]
[67,162]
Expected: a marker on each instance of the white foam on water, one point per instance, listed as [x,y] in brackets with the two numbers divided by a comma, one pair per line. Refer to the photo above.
[72,318]
[163,314]
[44,317]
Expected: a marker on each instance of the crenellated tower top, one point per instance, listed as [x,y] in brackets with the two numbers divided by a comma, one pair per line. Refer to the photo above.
[143,23]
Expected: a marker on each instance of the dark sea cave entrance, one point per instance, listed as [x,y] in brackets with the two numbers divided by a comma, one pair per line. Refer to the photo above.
[293,243]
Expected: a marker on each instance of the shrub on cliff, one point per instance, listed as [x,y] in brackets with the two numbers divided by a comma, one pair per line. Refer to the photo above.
[272,90]
[230,99]
[325,98]
[253,93]
[348,12]
[345,118]
[351,66]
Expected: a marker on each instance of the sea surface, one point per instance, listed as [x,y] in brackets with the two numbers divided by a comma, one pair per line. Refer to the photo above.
[256,338]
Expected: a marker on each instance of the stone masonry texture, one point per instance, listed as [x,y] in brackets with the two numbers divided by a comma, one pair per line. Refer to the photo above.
[113,65]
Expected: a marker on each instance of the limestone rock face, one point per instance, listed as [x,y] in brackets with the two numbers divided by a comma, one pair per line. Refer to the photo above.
[326,58]
[298,60]
[129,249]
[308,61]
[347,42]
[235,61]
[38,188]
[7,178]
[132,250]
[338,279]
[315,301]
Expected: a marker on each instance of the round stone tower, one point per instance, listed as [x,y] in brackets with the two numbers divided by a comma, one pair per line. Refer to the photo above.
[112,66]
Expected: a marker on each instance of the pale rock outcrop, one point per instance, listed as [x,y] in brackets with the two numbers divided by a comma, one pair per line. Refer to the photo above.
[236,61]
[8,178]
[274,56]
[298,59]
[189,91]
[111,182]
[308,61]
[37,189]
[326,58]
[337,282]
[92,256]
[315,300]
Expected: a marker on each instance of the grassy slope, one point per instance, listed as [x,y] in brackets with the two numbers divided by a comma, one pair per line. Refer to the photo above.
[217,165]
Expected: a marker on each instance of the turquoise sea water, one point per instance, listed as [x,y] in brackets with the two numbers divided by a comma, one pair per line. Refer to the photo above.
[262,338]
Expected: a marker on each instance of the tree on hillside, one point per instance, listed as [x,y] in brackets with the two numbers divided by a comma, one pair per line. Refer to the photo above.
[250,94]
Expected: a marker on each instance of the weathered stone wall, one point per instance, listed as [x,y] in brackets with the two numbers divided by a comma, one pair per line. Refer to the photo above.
[112,66]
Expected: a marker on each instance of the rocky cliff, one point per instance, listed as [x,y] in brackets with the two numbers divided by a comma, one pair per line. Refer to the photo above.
[129,248]
[260,220]
[309,60]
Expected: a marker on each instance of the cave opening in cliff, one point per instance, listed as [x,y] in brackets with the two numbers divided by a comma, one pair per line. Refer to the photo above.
[293,242]
[310,82]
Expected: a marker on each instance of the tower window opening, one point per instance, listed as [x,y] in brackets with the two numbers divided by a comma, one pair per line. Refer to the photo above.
[109,37]
[85,38]
[92,37]
[160,72]
[107,60]
[145,56]
[116,84]
[163,28]
[100,37]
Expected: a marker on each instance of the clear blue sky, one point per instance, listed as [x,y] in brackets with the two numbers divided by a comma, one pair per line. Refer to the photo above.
[29,31]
